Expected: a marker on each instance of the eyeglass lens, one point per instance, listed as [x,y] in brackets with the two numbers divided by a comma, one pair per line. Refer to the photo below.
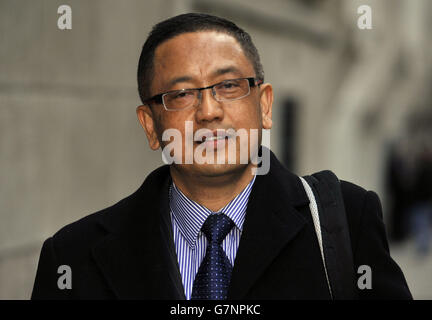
[224,91]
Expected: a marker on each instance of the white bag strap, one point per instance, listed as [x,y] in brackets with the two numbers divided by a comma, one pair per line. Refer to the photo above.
[316,220]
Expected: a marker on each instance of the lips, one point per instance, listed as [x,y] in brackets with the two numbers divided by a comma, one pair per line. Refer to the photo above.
[217,136]
[213,138]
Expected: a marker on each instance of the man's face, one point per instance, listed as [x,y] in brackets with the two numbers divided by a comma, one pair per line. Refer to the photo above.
[201,59]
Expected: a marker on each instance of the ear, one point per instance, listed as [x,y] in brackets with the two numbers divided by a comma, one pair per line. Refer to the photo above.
[146,118]
[266,104]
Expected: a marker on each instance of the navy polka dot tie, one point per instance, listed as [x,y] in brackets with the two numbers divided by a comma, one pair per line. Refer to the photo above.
[214,273]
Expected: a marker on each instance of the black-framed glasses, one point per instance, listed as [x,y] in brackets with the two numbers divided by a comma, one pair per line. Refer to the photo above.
[227,90]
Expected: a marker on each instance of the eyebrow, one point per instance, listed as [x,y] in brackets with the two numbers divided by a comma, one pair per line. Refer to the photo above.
[218,72]
[230,69]
[179,79]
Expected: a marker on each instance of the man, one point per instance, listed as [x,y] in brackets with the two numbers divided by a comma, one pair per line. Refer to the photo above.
[210,229]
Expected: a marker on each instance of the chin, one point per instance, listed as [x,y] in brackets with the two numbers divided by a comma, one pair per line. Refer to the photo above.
[213,170]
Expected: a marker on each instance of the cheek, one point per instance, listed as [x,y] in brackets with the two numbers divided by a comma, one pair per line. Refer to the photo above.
[158,126]
[249,117]
[169,122]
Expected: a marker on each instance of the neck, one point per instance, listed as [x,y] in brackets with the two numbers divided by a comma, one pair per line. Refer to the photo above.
[212,192]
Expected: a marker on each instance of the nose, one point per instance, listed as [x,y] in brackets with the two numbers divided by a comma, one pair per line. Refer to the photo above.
[209,109]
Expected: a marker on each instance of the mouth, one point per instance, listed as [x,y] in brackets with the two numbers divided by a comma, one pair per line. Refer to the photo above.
[217,137]
[209,139]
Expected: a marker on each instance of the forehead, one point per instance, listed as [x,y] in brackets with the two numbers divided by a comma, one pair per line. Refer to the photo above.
[198,55]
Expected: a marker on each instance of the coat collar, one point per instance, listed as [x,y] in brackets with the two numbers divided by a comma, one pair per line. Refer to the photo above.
[135,270]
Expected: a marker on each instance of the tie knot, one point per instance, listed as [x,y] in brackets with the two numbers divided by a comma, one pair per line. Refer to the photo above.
[216,227]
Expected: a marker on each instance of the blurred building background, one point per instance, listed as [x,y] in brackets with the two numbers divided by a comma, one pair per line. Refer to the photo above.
[350,100]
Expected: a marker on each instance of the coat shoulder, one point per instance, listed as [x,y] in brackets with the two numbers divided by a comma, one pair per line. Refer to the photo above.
[361,206]
[117,218]
[353,193]
[86,231]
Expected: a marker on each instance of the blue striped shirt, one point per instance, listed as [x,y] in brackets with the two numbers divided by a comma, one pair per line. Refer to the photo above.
[188,216]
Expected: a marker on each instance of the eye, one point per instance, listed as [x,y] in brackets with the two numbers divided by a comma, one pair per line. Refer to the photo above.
[183,94]
[229,85]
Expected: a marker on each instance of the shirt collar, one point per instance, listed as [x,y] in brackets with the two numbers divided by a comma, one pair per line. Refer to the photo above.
[190,215]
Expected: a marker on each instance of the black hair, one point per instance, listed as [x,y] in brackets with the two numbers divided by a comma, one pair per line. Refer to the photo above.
[190,22]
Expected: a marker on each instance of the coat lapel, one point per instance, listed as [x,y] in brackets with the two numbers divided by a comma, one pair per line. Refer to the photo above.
[137,258]
[272,221]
